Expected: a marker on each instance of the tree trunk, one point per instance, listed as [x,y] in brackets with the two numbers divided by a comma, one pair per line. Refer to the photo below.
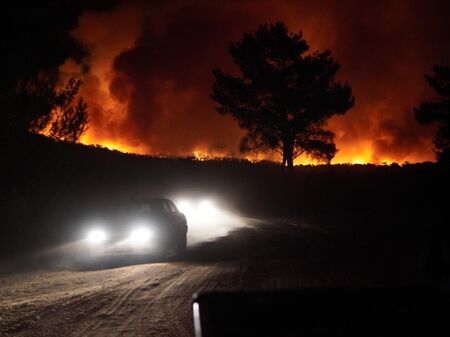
[290,162]
[288,156]
[283,164]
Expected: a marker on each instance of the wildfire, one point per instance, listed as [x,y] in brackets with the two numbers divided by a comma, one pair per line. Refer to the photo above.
[366,156]
[200,156]
[112,145]
[144,99]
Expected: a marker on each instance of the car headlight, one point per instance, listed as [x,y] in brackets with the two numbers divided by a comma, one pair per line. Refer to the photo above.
[141,235]
[96,236]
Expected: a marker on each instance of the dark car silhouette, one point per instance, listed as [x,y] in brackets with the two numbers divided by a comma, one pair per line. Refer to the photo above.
[144,227]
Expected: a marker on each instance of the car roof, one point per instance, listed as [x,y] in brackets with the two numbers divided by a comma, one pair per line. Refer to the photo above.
[148,201]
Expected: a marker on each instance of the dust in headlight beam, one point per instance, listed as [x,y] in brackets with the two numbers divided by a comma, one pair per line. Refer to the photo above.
[207,219]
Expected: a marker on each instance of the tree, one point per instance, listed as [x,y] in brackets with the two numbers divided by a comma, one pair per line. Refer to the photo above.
[438,112]
[35,105]
[26,107]
[69,121]
[37,36]
[285,95]
[38,40]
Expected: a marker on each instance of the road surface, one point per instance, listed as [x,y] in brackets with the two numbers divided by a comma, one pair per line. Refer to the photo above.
[154,299]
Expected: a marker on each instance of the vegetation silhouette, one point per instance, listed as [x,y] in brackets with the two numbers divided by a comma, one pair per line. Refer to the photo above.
[69,121]
[285,96]
[38,37]
[37,43]
[438,112]
[35,105]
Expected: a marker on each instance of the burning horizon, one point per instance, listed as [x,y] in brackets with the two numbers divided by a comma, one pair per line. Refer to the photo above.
[147,78]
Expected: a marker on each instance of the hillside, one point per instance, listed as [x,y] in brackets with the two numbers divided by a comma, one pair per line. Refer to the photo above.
[49,187]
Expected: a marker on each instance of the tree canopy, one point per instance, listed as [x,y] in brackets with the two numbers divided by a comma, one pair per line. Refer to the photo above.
[36,42]
[438,112]
[37,36]
[285,94]
[35,105]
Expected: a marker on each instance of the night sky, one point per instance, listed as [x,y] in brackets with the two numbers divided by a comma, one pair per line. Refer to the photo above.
[149,72]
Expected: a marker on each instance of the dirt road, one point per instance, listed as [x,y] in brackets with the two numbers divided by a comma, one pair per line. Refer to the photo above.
[150,300]
[154,299]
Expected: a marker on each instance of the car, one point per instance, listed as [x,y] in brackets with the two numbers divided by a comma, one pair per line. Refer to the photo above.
[145,227]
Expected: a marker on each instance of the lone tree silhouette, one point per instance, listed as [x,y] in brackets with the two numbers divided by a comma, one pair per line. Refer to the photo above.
[285,95]
[438,112]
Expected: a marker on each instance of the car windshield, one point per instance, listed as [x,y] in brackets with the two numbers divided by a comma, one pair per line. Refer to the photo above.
[147,206]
